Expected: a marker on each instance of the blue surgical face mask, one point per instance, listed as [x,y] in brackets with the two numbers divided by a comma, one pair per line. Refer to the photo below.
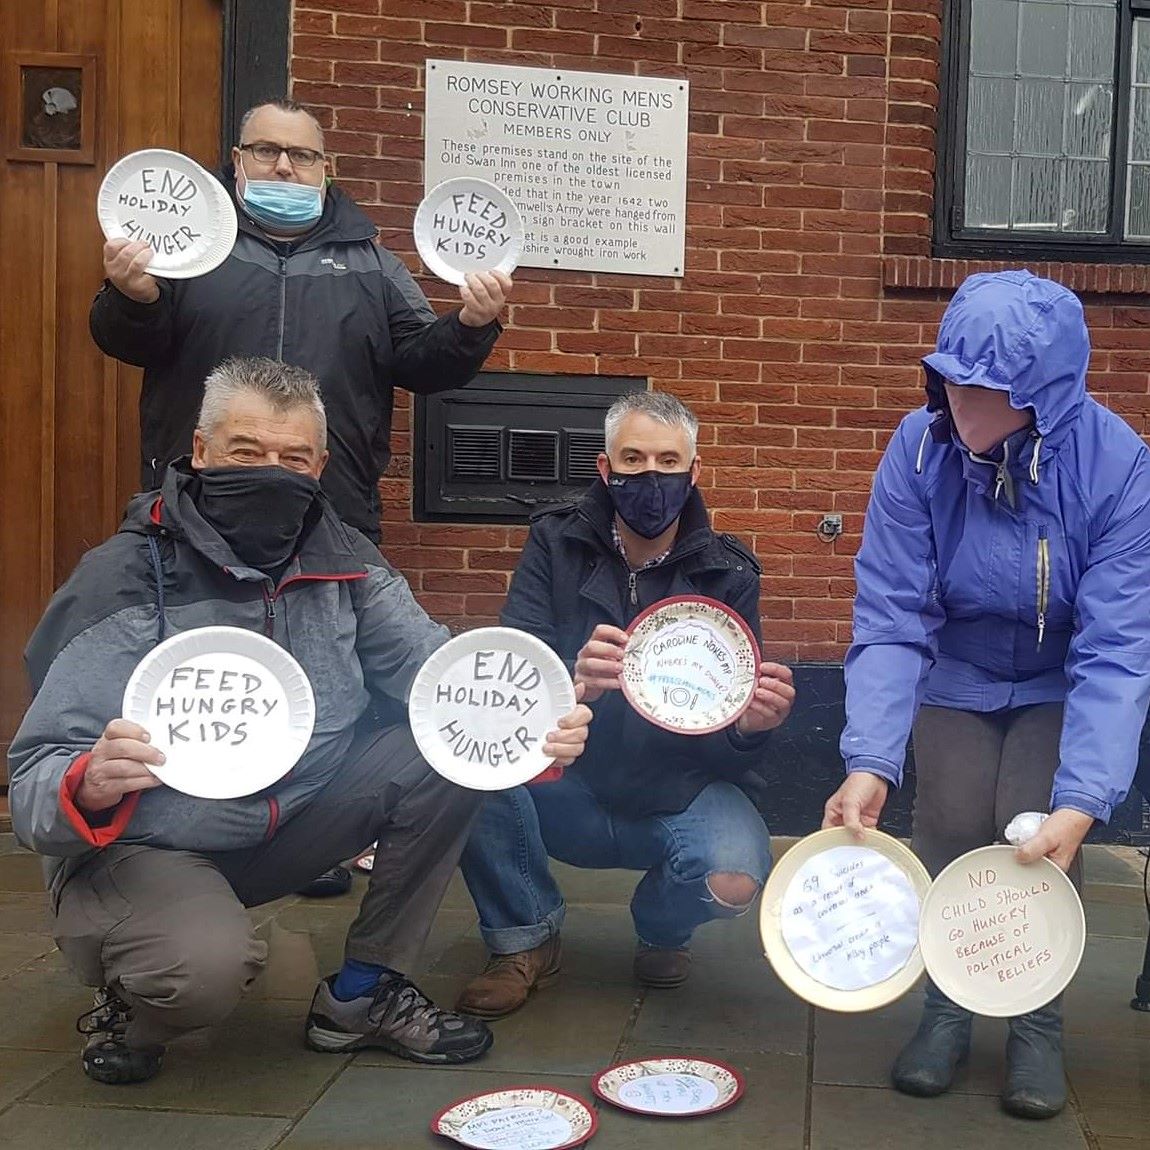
[649,501]
[281,205]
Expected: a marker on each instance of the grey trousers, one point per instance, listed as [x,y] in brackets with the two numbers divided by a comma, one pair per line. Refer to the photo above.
[168,930]
[975,772]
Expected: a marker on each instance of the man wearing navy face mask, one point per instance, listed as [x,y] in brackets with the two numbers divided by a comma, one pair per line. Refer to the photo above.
[642,798]
[307,284]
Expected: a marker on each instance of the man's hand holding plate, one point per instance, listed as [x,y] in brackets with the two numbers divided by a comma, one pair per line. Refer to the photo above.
[118,766]
[124,264]
[772,701]
[599,664]
[483,295]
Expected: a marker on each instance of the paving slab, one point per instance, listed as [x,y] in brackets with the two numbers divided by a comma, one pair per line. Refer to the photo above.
[391,1107]
[17,950]
[20,1070]
[256,1063]
[24,913]
[39,1005]
[735,1006]
[847,1118]
[84,1128]
[20,870]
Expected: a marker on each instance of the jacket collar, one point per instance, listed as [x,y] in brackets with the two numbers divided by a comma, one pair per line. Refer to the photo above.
[343,221]
[327,547]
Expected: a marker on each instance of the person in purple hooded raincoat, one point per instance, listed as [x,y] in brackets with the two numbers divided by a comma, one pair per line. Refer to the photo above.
[1002,613]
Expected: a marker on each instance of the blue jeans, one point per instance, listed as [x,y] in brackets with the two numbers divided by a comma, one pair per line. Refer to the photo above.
[506,869]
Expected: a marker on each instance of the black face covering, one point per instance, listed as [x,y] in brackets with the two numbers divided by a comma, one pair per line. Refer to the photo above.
[649,501]
[258,511]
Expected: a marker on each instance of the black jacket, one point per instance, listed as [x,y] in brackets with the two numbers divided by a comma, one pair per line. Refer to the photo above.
[570,578]
[332,301]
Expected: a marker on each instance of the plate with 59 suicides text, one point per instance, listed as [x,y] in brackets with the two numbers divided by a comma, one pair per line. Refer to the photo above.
[999,937]
[481,706]
[231,710]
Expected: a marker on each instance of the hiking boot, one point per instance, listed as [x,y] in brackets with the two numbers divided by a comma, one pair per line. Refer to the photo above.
[662,966]
[106,1056]
[397,1017]
[1035,1079]
[331,884]
[927,1063]
[508,980]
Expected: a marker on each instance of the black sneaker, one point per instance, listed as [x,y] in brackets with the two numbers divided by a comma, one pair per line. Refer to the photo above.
[397,1017]
[106,1056]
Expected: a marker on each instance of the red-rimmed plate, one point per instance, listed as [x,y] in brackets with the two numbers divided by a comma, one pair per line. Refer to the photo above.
[518,1118]
[690,665]
[670,1087]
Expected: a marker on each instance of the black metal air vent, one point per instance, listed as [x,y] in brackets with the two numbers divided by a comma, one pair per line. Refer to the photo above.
[583,449]
[506,443]
[533,455]
[474,452]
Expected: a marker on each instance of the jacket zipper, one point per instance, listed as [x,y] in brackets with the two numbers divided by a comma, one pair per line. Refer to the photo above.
[283,306]
[631,591]
[1003,477]
[1043,577]
[270,613]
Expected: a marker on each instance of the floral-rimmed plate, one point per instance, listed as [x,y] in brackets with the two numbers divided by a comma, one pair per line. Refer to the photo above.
[518,1118]
[690,665]
[670,1087]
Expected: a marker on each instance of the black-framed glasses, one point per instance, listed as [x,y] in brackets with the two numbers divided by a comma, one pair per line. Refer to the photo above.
[268,153]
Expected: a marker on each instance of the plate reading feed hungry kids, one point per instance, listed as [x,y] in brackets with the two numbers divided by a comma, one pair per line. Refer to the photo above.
[180,210]
[839,919]
[518,1118]
[481,707]
[1001,938]
[468,225]
[231,710]
[670,1087]
[691,665]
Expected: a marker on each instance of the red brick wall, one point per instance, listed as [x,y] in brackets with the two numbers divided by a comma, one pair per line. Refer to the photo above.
[809,294]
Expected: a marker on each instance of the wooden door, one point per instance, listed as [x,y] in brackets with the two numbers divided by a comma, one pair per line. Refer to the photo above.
[134,74]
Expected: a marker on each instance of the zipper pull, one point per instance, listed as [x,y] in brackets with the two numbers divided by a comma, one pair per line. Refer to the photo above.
[631,587]
[269,605]
[1043,573]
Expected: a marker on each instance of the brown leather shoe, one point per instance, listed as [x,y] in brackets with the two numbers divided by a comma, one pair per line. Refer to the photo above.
[662,966]
[508,980]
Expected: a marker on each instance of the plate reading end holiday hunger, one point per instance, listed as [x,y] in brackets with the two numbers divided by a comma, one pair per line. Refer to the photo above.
[180,210]
[670,1087]
[231,710]
[518,1118]
[468,225]
[999,937]
[481,707]
[840,919]
[690,665]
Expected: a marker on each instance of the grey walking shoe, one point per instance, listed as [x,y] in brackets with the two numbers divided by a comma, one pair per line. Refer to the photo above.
[927,1063]
[107,1057]
[397,1017]
[1035,1078]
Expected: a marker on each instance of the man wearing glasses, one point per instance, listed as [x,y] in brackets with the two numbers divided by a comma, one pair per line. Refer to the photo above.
[307,284]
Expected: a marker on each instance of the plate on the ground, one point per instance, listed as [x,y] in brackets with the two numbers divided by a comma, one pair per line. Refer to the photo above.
[671,1087]
[468,225]
[690,665]
[518,1118]
[1001,938]
[166,200]
[839,919]
[231,710]
[481,706]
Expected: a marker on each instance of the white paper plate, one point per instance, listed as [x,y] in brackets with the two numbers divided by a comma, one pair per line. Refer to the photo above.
[691,665]
[1001,938]
[518,1118]
[839,919]
[180,209]
[231,710]
[468,225]
[670,1087]
[481,706]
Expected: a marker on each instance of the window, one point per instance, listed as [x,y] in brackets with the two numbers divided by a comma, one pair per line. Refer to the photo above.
[1045,130]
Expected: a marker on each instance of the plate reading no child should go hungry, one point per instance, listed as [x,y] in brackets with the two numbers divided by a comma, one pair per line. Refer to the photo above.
[482,704]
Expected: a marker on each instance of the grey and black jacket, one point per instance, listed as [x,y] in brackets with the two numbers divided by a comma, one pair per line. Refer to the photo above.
[332,301]
[346,616]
